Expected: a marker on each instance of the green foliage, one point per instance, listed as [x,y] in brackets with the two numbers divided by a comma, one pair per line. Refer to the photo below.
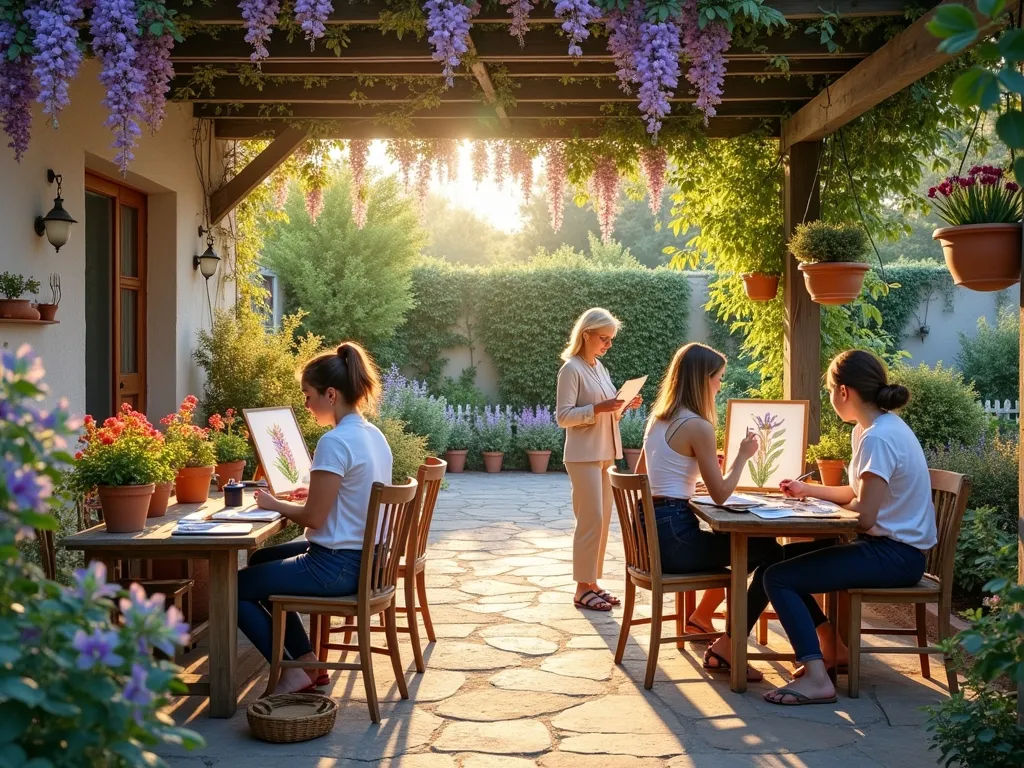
[990,359]
[493,430]
[833,444]
[13,286]
[821,243]
[943,409]
[993,466]
[460,423]
[230,442]
[126,450]
[188,443]
[536,430]
[463,391]
[408,450]
[420,412]
[632,426]
[984,551]
[915,289]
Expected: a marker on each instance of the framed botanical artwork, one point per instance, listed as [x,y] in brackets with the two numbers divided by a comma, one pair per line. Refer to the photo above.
[781,428]
[279,447]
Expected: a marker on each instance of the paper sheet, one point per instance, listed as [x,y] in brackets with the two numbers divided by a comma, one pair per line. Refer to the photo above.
[211,529]
[628,391]
[252,515]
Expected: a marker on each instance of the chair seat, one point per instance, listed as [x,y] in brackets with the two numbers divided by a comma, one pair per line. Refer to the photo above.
[308,604]
[718,577]
[421,564]
[928,586]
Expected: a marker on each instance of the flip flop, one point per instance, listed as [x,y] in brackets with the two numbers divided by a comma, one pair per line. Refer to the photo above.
[608,597]
[699,630]
[801,699]
[722,665]
[592,603]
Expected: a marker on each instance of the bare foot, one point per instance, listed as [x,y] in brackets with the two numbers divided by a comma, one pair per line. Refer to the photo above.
[812,689]
[292,680]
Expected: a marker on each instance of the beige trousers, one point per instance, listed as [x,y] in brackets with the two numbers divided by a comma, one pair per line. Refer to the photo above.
[592,506]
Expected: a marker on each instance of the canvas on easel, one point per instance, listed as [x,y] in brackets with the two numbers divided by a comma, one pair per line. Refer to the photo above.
[781,428]
[280,449]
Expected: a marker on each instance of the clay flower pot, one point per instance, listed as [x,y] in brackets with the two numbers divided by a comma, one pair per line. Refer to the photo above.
[539,461]
[834,283]
[982,257]
[456,460]
[192,485]
[493,460]
[125,507]
[760,287]
[18,309]
[228,470]
[632,456]
[831,471]
[159,500]
[47,311]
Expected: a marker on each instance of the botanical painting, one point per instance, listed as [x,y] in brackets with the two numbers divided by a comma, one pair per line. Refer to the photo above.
[280,448]
[781,430]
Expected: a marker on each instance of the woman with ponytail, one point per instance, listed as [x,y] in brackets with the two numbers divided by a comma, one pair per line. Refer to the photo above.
[340,388]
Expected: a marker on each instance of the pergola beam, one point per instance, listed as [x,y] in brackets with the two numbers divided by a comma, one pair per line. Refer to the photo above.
[483,77]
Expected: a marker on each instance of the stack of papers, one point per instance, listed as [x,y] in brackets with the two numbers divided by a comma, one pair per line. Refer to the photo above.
[792,508]
[247,515]
[738,502]
[210,528]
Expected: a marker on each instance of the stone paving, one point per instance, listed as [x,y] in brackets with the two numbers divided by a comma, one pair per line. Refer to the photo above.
[520,677]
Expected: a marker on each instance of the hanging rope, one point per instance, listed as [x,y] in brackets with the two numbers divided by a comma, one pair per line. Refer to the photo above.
[856,201]
[970,139]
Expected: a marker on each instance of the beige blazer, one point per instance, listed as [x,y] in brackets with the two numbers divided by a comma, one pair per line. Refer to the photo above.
[588,436]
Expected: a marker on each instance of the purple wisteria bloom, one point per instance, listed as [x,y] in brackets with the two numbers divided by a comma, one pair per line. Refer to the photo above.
[448,25]
[17,92]
[97,648]
[576,15]
[58,55]
[90,584]
[136,692]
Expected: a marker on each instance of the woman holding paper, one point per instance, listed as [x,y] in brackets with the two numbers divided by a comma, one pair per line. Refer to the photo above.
[339,388]
[587,408]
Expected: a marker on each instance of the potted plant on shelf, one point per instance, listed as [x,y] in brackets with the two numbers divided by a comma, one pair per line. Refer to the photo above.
[538,435]
[193,453]
[164,483]
[982,244]
[459,437]
[832,453]
[122,460]
[761,283]
[493,436]
[830,257]
[48,311]
[13,287]
[230,445]
[631,428]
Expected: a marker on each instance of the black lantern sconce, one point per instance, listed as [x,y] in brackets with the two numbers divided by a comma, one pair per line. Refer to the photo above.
[208,261]
[56,225]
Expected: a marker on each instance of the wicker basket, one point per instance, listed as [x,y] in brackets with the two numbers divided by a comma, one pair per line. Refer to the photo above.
[288,717]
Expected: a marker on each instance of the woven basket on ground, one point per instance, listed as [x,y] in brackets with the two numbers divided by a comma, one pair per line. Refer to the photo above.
[288,717]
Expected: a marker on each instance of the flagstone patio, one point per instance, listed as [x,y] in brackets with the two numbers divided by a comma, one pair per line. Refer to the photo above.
[519,677]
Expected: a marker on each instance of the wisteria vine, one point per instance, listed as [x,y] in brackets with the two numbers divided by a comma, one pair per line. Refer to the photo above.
[705,48]
[17,91]
[358,153]
[653,163]
[556,169]
[520,166]
[657,67]
[154,56]
[448,25]
[312,16]
[605,184]
[520,12]
[624,40]
[260,17]
[57,52]
[576,15]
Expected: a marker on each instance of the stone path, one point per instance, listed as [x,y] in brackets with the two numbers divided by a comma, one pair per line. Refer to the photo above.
[519,677]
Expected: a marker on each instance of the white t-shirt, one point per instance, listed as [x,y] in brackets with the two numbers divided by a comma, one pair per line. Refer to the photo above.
[890,450]
[359,452]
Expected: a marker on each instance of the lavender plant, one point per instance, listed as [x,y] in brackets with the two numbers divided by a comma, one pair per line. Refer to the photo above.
[410,402]
[536,429]
[448,25]
[494,430]
[632,427]
[460,427]
[769,448]
[58,54]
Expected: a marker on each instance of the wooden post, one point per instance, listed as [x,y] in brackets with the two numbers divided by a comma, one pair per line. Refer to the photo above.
[1020,479]
[801,352]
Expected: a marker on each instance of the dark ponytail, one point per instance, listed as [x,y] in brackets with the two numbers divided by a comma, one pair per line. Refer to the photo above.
[351,371]
[865,374]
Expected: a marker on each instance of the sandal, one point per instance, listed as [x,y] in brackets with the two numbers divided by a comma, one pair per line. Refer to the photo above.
[722,665]
[801,699]
[693,628]
[592,603]
[324,678]
[608,597]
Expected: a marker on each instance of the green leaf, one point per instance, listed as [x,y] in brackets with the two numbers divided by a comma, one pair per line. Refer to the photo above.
[1011,79]
[22,689]
[1011,45]
[992,8]
[14,719]
[955,25]
[1018,169]
[60,708]
[976,87]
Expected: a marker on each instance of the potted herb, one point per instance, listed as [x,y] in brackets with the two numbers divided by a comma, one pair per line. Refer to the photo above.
[830,257]
[832,453]
[231,446]
[13,287]
[459,437]
[982,244]
[538,435]
[631,428]
[493,436]
[48,311]
[192,452]
[762,282]
[122,460]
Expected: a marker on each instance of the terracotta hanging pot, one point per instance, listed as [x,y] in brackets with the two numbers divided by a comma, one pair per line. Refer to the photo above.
[192,485]
[47,312]
[982,257]
[493,460]
[836,282]
[632,456]
[227,471]
[539,461]
[18,309]
[456,460]
[161,497]
[760,287]
[125,507]
[831,471]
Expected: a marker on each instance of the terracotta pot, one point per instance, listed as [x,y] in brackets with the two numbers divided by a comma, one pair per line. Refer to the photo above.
[837,283]
[125,507]
[831,471]
[539,461]
[760,287]
[229,470]
[456,460]
[18,309]
[493,460]
[632,456]
[161,497]
[982,257]
[46,311]
[192,485]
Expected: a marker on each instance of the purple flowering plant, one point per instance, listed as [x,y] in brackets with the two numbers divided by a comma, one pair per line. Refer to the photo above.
[536,429]
[75,688]
[632,427]
[494,429]
[423,414]
[460,427]
[984,196]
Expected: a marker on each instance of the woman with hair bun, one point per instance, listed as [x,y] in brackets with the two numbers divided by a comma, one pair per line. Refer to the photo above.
[340,388]
[890,490]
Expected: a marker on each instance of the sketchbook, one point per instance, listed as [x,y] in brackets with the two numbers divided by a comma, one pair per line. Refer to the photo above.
[211,528]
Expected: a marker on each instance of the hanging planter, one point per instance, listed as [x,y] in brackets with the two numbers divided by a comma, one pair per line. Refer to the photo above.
[760,287]
[830,257]
[834,283]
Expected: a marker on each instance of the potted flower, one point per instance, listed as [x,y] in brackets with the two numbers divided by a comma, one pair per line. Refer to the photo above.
[122,460]
[830,257]
[762,282]
[631,428]
[494,436]
[12,306]
[538,435]
[231,446]
[459,437]
[982,244]
[193,454]
[831,454]
[161,498]
[48,311]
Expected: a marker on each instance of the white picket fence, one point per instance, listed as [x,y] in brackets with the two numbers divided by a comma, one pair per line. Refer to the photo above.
[1004,410]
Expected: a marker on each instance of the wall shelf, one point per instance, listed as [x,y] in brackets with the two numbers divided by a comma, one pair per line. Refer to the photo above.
[28,322]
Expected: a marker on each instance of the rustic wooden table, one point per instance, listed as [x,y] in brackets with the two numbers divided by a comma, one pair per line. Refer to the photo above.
[740,526]
[156,542]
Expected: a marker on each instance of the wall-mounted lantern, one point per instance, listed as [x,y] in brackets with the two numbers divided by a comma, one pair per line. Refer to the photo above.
[56,225]
[207,262]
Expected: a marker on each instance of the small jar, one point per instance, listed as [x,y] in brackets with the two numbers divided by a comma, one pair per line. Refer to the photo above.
[233,494]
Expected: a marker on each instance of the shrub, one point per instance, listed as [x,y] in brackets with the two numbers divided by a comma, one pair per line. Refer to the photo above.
[423,414]
[536,430]
[821,243]
[408,451]
[834,444]
[126,450]
[493,430]
[12,286]
[984,551]
[460,428]
[991,358]
[992,465]
[632,427]
[189,443]
[463,390]
[943,409]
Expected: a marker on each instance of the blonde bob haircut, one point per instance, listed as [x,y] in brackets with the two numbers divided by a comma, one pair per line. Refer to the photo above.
[687,383]
[591,320]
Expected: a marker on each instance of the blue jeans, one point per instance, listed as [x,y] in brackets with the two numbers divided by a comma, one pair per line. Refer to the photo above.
[812,567]
[296,568]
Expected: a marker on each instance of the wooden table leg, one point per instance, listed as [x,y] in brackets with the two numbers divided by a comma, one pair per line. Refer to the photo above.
[223,632]
[738,610]
[832,612]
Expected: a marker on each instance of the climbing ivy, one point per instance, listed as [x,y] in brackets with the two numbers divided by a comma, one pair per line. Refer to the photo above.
[919,290]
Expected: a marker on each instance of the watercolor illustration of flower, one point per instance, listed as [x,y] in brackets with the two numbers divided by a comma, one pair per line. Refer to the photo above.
[285,461]
[770,447]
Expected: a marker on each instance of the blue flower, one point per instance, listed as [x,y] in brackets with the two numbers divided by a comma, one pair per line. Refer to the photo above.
[26,489]
[90,584]
[135,691]
[97,648]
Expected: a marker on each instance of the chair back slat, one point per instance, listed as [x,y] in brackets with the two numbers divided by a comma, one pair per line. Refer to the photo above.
[949,494]
[428,478]
[388,518]
[47,553]
[635,507]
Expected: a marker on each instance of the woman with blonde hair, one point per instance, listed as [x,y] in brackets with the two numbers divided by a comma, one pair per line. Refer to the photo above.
[588,411]
[680,449]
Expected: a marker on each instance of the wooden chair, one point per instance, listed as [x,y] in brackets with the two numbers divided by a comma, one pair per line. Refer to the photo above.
[949,493]
[388,519]
[643,569]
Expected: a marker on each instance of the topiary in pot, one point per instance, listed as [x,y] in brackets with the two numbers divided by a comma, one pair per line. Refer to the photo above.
[831,259]
[832,452]
[761,283]
[13,287]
